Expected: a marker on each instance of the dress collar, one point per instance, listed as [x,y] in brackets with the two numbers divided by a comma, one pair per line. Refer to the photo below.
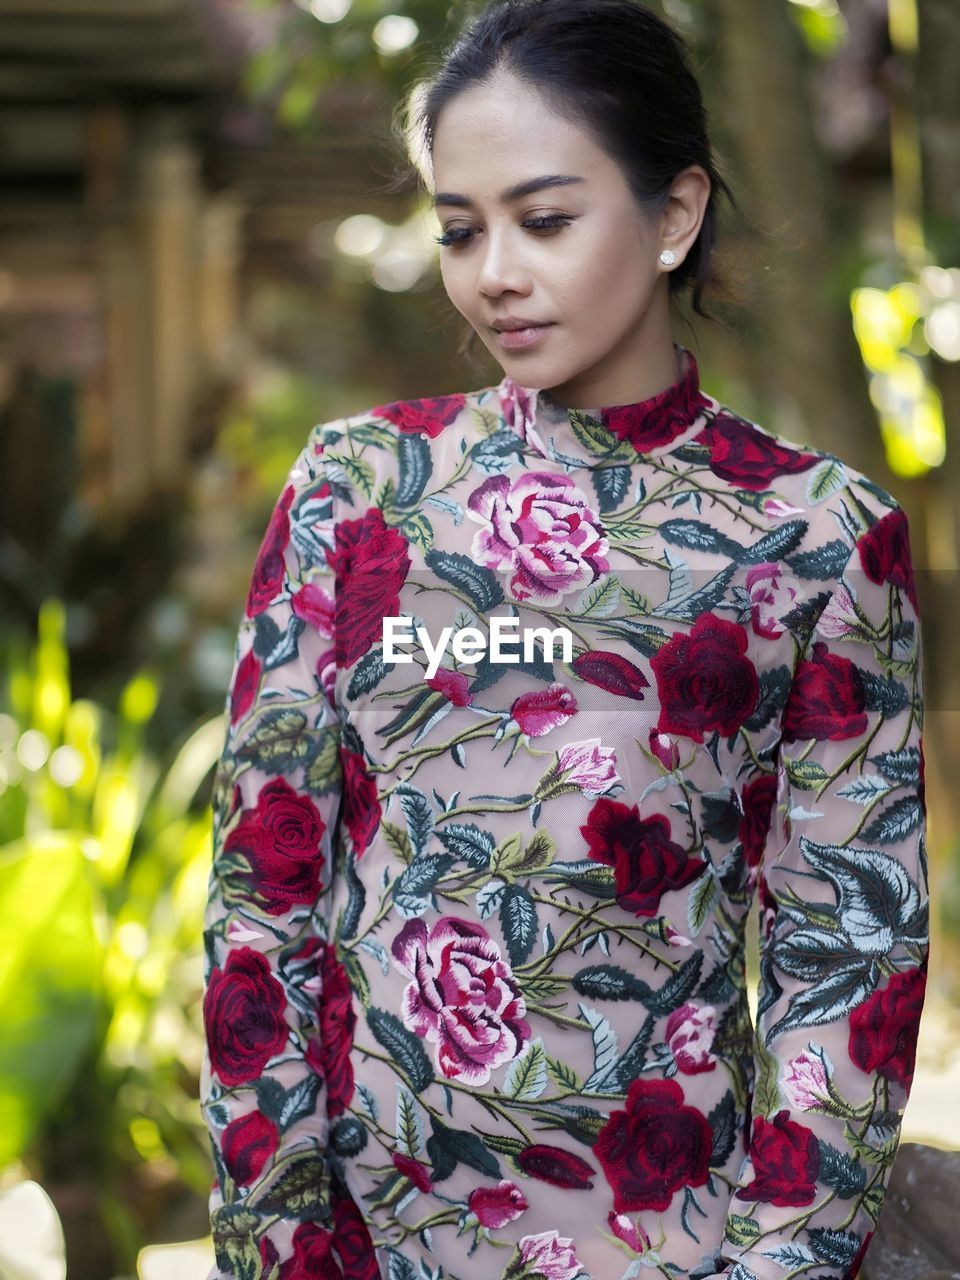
[588,437]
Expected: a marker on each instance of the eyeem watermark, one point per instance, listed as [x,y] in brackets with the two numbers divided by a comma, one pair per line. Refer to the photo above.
[469,644]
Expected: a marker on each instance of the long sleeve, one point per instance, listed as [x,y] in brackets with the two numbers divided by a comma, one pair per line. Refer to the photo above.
[843,911]
[267,1091]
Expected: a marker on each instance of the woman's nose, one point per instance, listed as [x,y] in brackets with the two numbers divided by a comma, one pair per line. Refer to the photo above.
[502,266]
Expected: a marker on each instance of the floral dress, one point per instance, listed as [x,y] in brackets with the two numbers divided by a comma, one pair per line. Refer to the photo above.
[475,998]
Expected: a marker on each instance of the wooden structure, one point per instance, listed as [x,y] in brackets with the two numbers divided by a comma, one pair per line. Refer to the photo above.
[136,188]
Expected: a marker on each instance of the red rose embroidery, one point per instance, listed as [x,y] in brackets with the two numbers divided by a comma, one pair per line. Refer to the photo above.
[786,1162]
[246,681]
[314,604]
[553,1164]
[664,748]
[267,579]
[431,415]
[269,1257]
[884,1028]
[757,801]
[248,1143]
[496,1206]
[689,1033]
[371,564]
[243,1010]
[885,553]
[330,1052]
[647,863]
[826,699]
[454,686]
[654,1147]
[661,418]
[360,807]
[352,1240]
[611,671]
[415,1170]
[743,454]
[705,679]
[280,840]
[312,1257]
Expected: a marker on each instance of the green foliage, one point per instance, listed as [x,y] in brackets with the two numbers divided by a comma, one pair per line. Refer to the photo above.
[103,878]
[50,959]
[822,26]
[304,58]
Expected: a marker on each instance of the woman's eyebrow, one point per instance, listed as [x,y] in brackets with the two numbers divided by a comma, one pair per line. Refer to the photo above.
[511,193]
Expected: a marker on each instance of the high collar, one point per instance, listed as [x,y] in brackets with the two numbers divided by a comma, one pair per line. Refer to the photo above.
[588,437]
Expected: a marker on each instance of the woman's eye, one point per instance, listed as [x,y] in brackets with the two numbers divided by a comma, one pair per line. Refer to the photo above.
[454,236]
[550,222]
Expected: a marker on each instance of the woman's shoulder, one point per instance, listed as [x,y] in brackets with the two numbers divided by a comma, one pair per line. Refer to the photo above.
[755,458]
[424,415]
[811,510]
[378,457]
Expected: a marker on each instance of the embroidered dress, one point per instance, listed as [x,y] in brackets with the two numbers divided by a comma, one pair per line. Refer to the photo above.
[475,996]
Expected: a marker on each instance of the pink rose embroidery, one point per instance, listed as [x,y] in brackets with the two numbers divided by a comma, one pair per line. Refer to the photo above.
[462,996]
[591,766]
[780,510]
[541,530]
[549,1254]
[839,617]
[519,408]
[805,1080]
[772,594]
[689,1033]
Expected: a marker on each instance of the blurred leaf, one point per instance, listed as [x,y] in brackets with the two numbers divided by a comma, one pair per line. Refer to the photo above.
[51,690]
[822,26]
[49,983]
[297,103]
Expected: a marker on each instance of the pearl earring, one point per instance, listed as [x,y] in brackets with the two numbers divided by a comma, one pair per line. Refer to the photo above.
[667,257]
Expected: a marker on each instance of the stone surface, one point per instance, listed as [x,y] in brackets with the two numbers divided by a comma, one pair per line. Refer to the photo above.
[917,1236]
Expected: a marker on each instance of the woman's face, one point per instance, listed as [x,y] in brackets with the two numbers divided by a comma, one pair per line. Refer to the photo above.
[592,274]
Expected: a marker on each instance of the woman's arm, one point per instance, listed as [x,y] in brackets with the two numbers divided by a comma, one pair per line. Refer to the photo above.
[843,910]
[275,807]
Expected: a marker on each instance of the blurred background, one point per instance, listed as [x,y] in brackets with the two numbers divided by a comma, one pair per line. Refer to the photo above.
[204,250]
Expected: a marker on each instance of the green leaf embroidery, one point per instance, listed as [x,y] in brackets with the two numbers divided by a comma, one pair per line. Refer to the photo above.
[297,1187]
[403,1046]
[526,1077]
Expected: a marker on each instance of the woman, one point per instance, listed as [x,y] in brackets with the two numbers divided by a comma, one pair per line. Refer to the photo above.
[475,998]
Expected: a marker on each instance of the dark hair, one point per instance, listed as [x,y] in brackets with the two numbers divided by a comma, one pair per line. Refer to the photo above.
[612,66]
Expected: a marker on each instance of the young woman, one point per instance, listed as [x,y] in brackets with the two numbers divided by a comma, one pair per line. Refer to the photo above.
[475,998]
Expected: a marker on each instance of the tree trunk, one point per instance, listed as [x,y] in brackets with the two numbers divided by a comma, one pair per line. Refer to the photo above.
[809,360]
[936,91]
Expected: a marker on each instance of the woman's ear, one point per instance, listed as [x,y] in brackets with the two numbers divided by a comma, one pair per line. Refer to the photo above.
[684,211]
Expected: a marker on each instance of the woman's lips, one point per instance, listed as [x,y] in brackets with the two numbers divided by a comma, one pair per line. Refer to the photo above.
[518,339]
